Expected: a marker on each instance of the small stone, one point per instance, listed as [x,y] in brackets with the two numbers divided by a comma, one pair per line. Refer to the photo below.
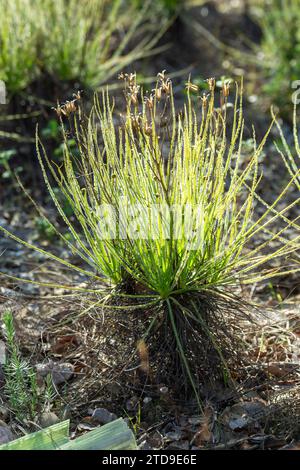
[103,416]
[163,390]
[5,433]
[60,373]
[236,417]
[4,413]
[48,418]
[9,293]
[147,400]
[244,414]
[174,435]
[255,409]
[238,423]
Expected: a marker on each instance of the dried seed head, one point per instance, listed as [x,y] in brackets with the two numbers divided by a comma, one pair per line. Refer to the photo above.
[133,98]
[166,86]
[67,108]
[132,89]
[191,87]
[226,89]
[158,92]
[61,111]
[136,121]
[131,78]
[70,107]
[149,101]
[162,75]
[77,95]
[164,82]
[211,83]
[58,110]
[135,89]
[204,99]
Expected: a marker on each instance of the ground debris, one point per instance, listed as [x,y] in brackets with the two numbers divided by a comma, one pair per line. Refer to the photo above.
[60,373]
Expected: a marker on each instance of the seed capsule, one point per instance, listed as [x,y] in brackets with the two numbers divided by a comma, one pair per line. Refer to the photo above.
[148,129]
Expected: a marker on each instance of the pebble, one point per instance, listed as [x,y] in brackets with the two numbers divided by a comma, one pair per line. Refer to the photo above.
[243,414]
[174,435]
[238,423]
[48,418]
[5,433]
[147,400]
[60,373]
[4,413]
[103,416]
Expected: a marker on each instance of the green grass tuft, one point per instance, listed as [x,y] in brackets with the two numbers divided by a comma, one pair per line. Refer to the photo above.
[205,238]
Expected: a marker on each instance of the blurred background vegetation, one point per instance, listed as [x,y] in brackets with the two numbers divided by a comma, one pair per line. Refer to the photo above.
[50,49]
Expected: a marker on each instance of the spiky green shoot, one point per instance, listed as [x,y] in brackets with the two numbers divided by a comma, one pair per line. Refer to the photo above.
[20,379]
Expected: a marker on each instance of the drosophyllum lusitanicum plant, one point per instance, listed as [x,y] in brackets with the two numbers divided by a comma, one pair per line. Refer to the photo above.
[164,219]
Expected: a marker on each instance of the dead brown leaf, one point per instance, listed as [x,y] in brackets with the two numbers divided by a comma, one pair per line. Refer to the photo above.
[64,344]
[204,435]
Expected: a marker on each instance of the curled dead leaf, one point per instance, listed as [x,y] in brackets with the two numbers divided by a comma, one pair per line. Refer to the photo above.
[204,435]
